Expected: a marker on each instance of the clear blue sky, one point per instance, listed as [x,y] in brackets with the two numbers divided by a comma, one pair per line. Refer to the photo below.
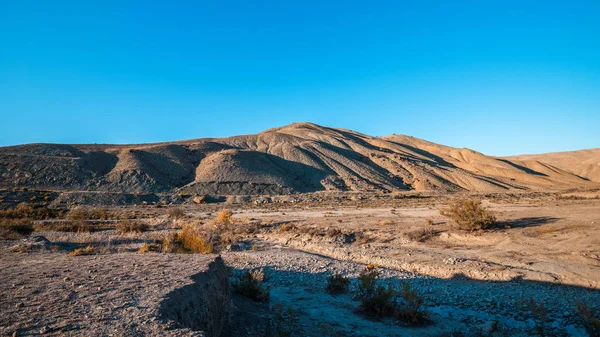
[500,77]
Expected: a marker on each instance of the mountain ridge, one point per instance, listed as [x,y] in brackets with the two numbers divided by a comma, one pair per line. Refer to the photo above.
[296,158]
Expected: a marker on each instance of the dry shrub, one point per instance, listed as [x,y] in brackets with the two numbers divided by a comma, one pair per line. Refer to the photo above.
[125,227]
[469,214]
[78,213]
[78,226]
[224,217]
[15,229]
[250,284]
[288,227]
[175,213]
[421,235]
[333,232]
[100,214]
[89,250]
[589,318]
[149,247]
[30,211]
[337,284]
[190,240]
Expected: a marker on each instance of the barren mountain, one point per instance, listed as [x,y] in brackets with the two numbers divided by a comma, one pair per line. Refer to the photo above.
[300,157]
[584,163]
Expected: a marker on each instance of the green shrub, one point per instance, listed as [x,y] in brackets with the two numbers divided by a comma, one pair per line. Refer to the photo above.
[411,309]
[250,284]
[337,284]
[375,300]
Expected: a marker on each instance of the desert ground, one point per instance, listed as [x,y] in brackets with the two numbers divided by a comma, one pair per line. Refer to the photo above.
[529,274]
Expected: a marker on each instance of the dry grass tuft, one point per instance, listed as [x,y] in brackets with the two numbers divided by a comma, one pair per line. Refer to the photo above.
[89,250]
[469,214]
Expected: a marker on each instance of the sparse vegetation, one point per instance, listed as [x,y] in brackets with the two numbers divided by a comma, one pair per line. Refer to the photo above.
[89,250]
[337,284]
[421,235]
[78,226]
[14,229]
[30,211]
[375,300]
[589,318]
[469,214]
[411,309]
[149,247]
[380,301]
[250,284]
[225,217]
[175,213]
[284,322]
[189,240]
[125,227]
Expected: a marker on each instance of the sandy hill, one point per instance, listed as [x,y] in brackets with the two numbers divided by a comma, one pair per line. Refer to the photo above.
[584,163]
[301,157]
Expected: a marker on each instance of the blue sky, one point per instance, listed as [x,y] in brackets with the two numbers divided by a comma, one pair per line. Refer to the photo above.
[500,77]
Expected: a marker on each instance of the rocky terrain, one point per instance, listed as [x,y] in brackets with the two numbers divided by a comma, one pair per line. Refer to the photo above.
[297,158]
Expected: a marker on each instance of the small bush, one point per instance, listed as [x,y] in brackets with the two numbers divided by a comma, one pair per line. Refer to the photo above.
[411,309]
[125,227]
[89,250]
[375,300]
[337,284]
[284,322]
[79,213]
[175,213]
[190,240]
[149,247]
[539,315]
[250,284]
[589,318]
[15,229]
[224,217]
[469,214]
[421,235]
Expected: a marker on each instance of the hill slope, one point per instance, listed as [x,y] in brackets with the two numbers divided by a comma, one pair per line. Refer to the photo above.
[301,157]
[584,163]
